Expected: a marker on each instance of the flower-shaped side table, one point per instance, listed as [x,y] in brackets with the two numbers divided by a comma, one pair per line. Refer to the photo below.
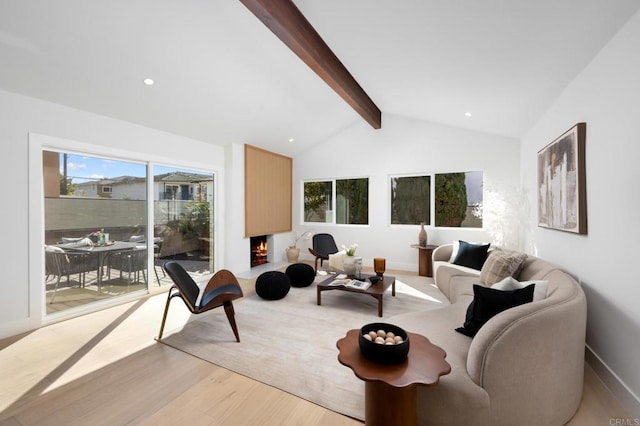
[390,390]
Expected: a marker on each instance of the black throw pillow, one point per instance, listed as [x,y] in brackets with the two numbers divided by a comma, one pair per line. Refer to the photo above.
[471,255]
[488,302]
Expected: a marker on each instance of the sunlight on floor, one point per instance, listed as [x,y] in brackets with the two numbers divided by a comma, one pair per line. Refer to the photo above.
[418,290]
[69,350]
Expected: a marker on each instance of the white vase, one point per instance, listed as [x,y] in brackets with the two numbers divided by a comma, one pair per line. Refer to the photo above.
[349,264]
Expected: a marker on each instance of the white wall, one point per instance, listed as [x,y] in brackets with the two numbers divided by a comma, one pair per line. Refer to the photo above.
[402,146]
[604,95]
[21,306]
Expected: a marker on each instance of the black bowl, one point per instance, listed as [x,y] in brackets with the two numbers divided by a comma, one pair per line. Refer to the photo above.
[374,279]
[381,353]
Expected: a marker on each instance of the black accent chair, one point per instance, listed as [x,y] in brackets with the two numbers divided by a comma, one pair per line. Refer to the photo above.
[221,290]
[323,246]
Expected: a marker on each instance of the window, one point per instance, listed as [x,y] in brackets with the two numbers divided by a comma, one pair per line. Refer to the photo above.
[107,189]
[351,201]
[318,201]
[411,200]
[456,198]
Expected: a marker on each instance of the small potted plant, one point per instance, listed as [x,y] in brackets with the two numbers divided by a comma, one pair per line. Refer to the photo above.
[349,259]
[293,252]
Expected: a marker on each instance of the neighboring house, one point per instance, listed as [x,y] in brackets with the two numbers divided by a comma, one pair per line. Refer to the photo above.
[183,186]
[167,186]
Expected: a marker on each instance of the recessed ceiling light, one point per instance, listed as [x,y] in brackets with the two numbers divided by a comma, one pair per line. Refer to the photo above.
[148,81]
[290,139]
[467,114]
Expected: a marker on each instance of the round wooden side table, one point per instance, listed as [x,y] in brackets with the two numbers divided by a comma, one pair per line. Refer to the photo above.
[390,390]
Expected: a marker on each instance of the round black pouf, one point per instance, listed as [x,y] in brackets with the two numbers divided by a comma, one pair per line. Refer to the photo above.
[273,285]
[300,274]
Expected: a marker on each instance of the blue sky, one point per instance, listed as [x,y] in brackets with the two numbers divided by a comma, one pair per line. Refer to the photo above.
[83,168]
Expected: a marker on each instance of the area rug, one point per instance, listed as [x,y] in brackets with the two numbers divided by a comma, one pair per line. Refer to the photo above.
[291,343]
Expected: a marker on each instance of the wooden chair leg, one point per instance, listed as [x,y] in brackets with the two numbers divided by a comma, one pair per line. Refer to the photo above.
[164,316]
[228,309]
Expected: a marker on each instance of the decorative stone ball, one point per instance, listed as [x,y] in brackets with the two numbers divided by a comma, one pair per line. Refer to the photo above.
[300,274]
[273,285]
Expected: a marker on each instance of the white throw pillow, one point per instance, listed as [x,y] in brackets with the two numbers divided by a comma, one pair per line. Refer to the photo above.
[510,283]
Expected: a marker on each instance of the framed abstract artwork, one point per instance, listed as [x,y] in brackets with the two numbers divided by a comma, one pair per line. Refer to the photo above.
[562,202]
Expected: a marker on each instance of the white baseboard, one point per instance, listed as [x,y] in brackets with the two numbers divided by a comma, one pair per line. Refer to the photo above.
[627,398]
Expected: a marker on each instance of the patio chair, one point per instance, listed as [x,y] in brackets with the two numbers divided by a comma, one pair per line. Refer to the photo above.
[64,264]
[323,246]
[133,262]
[157,246]
[221,290]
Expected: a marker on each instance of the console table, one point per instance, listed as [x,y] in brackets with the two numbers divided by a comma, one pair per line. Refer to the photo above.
[390,391]
[425,262]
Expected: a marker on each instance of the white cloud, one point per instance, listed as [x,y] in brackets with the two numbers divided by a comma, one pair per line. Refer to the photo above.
[75,166]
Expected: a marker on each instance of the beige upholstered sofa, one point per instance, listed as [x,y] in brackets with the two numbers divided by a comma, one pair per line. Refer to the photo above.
[524,366]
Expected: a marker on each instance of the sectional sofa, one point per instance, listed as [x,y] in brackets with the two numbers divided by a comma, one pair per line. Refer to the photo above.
[524,366]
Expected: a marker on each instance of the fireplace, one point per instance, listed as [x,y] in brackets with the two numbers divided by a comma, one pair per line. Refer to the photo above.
[259,250]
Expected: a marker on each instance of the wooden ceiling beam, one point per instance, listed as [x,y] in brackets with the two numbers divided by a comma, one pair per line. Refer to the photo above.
[286,21]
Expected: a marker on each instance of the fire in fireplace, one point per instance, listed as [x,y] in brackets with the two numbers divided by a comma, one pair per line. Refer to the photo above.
[259,250]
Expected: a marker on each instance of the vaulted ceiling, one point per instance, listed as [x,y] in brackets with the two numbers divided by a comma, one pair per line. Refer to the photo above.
[221,76]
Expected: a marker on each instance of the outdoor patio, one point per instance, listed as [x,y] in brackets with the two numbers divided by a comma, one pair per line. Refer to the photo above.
[115,282]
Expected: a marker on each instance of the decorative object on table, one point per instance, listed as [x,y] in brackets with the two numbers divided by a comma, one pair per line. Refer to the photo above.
[379,266]
[94,237]
[383,343]
[374,279]
[323,246]
[358,265]
[293,252]
[562,203]
[349,259]
[350,264]
[422,236]
[351,250]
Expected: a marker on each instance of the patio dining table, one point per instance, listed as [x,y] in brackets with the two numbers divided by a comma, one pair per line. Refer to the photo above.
[103,251]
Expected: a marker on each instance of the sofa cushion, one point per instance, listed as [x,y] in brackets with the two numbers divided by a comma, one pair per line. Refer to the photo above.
[510,283]
[471,255]
[501,264]
[488,302]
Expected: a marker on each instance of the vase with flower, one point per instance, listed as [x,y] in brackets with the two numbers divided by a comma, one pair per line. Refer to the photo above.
[349,260]
[293,252]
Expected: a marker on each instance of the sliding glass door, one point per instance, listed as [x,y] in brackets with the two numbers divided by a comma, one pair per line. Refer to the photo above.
[95,217]
[183,219]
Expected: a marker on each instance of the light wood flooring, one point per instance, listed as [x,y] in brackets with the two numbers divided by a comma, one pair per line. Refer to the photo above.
[106,368]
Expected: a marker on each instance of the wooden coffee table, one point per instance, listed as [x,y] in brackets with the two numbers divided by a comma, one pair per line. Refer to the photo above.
[390,390]
[375,290]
